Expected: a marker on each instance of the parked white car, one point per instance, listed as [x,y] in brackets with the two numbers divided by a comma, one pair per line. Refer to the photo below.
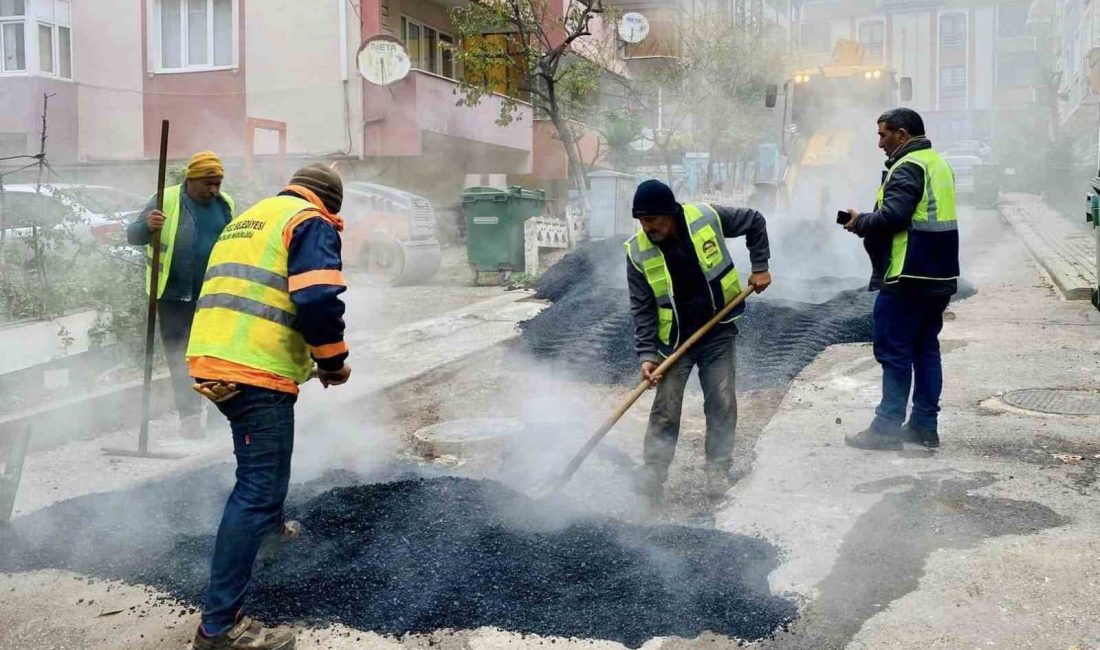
[94,212]
[963,167]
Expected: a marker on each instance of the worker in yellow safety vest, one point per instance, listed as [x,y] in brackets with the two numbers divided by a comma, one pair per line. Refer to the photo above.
[194,214]
[680,274]
[913,239]
[269,311]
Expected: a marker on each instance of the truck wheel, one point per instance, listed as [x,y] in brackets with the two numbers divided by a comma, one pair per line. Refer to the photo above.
[384,260]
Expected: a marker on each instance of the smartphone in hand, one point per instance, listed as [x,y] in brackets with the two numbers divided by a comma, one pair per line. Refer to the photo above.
[842,217]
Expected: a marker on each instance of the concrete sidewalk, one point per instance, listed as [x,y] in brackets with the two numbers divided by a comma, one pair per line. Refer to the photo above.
[994,540]
[1062,247]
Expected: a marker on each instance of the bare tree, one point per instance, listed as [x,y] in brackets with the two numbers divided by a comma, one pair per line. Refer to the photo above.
[548,51]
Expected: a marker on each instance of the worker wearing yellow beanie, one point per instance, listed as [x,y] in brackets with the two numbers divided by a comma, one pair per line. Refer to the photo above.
[194,214]
[204,164]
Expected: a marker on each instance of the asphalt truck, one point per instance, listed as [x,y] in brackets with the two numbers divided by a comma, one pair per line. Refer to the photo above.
[825,150]
[824,158]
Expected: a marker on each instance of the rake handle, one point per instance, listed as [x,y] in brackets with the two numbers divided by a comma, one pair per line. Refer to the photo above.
[645,385]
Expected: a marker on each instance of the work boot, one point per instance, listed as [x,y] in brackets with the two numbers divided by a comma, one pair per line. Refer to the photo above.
[191,427]
[718,483]
[291,530]
[871,439]
[247,634]
[919,436]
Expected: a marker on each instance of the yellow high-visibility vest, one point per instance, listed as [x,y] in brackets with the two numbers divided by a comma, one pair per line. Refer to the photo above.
[245,314]
[172,198]
[705,229]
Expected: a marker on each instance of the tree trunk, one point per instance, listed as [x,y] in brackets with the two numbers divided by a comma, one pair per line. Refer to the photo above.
[572,153]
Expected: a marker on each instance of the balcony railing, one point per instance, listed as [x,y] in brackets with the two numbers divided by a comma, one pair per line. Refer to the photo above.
[426,103]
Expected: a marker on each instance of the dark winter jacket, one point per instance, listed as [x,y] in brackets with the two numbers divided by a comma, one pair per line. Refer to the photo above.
[689,285]
[900,199]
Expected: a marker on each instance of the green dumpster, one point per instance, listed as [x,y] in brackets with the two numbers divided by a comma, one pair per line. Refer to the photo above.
[494,227]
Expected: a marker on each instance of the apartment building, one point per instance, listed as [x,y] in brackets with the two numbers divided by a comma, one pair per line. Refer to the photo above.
[969,59]
[1075,47]
[238,76]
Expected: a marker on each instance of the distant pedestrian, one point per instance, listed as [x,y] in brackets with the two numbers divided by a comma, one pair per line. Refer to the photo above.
[913,239]
[681,274]
[194,215]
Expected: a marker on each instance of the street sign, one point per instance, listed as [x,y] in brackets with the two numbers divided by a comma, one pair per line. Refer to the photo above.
[633,27]
[382,60]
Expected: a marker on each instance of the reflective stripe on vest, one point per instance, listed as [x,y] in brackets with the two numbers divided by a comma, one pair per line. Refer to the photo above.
[244,313]
[705,229]
[172,202]
[935,213]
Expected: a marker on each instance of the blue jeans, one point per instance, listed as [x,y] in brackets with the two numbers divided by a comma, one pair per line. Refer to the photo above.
[906,343]
[263,439]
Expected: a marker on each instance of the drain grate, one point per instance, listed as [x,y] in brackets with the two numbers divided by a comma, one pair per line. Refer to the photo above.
[1055,400]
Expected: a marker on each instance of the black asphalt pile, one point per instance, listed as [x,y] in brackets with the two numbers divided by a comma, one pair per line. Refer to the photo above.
[421,555]
[589,331]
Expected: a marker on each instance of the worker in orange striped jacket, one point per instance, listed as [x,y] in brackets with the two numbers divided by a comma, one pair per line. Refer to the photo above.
[269,311]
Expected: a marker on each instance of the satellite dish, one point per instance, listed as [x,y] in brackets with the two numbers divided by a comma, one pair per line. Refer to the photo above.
[382,60]
[633,27]
[644,141]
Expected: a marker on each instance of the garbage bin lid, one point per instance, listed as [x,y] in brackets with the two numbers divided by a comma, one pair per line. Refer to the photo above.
[525,193]
[483,193]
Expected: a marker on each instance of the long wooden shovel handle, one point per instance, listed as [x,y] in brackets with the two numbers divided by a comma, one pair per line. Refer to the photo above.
[645,385]
[151,313]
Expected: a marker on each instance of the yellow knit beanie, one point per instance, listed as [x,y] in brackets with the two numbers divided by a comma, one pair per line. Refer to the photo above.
[205,164]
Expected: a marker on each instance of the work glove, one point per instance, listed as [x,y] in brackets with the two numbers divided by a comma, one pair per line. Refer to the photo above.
[217,391]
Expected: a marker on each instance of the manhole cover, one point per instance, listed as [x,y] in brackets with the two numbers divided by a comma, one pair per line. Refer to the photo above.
[466,438]
[1055,400]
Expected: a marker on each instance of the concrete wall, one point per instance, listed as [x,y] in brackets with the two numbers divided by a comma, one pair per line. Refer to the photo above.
[909,54]
[21,101]
[16,111]
[984,76]
[295,73]
[398,116]
[107,61]
[206,109]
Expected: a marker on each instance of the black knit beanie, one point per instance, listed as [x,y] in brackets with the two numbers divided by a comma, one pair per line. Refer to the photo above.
[654,198]
[324,182]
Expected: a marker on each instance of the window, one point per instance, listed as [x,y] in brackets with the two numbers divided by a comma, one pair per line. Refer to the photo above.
[36,27]
[816,38]
[13,45]
[871,35]
[953,33]
[429,50]
[953,87]
[45,48]
[1012,19]
[65,52]
[447,55]
[195,34]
